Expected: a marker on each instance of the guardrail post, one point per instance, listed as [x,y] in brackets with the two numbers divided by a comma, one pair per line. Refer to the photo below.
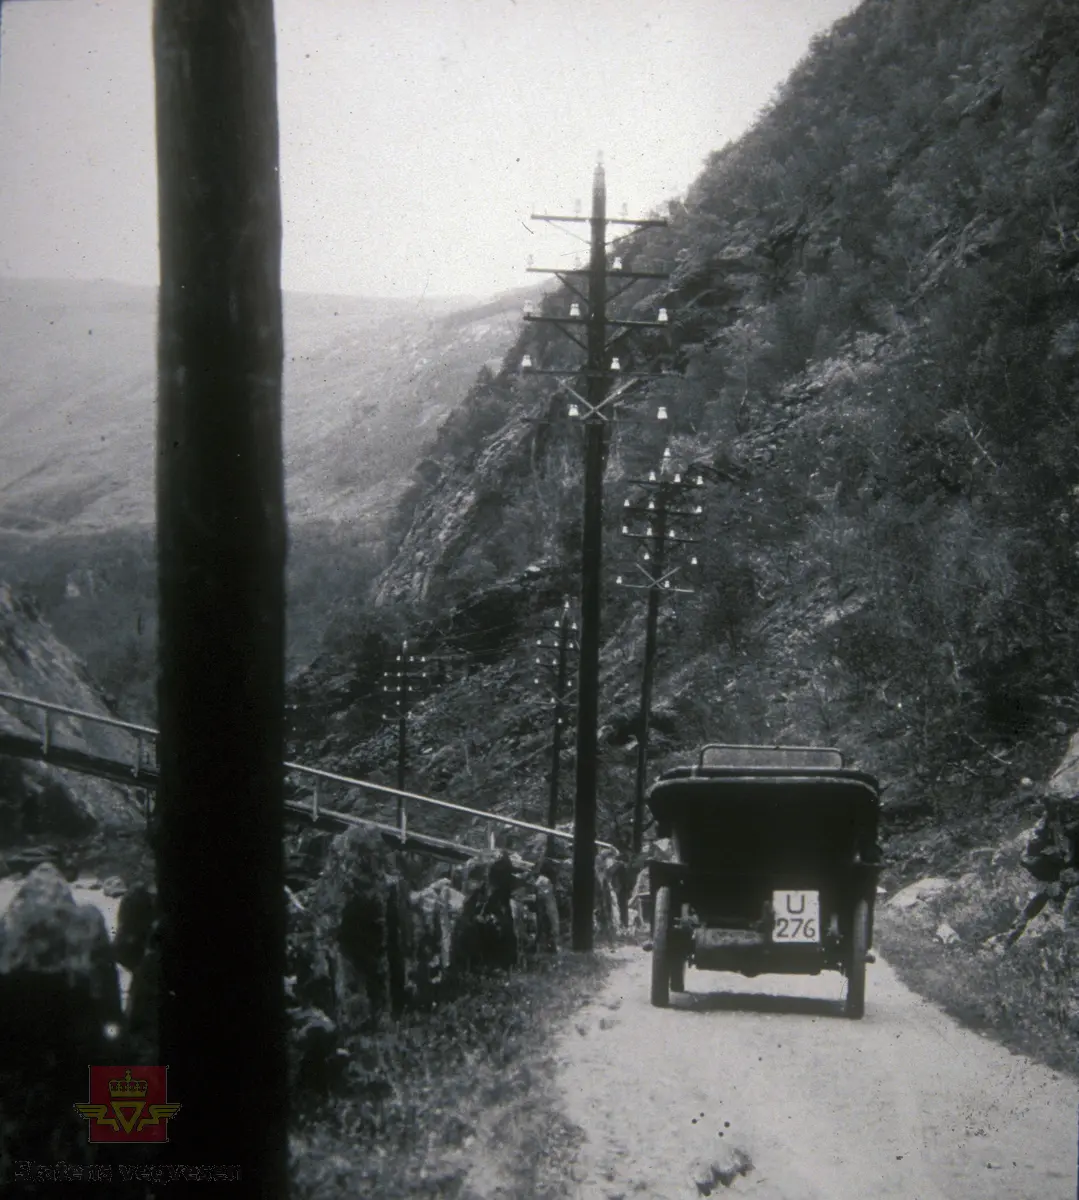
[316,799]
[490,837]
[138,755]
[402,818]
[46,736]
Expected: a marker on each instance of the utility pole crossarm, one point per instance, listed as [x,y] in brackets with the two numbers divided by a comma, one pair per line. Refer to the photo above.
[574,373]
[669,539]
[619,274]
[641,324]
[644,223]
[542,318]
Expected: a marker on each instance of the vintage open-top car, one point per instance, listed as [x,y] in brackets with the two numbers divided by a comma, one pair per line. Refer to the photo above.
[775,866]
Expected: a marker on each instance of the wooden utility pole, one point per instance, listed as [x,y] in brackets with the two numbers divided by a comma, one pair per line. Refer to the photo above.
[651,625]
[566,629]
[599,372]
[408,682]
[598,382]
[561,679]
[664,493]
[221,557]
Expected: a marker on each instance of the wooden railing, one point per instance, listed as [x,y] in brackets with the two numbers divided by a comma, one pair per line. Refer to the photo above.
[144,753]
[143,767]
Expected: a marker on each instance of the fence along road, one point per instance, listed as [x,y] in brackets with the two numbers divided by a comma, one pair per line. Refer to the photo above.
[139,770]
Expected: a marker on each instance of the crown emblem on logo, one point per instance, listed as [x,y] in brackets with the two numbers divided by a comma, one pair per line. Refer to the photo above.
[127,1088]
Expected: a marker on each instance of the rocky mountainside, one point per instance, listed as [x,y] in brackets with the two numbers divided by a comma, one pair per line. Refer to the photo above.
[876,358]
[37,801]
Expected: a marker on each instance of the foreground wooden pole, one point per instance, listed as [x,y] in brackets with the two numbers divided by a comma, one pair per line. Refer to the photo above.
[221,548]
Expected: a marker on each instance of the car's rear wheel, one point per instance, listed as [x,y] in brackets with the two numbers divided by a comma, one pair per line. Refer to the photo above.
[661,940]
[859,948]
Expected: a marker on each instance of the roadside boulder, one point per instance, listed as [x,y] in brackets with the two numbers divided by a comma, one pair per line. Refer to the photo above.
[58,988]
[56,965]
[915,893]
[34,804]
[347,944]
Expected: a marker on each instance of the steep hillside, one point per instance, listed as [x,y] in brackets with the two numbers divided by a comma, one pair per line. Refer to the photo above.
[366,384]
[40,801]
[366,381]
[873,298]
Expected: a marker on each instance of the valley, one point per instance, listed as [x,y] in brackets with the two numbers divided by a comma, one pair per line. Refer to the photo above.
[872,363]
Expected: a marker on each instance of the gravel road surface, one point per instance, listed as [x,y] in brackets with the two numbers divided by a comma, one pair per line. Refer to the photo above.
[757,1087]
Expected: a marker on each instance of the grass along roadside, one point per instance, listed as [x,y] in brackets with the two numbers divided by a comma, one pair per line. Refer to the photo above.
[455,1102]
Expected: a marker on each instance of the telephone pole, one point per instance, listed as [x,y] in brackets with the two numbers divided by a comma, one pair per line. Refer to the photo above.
[599,371]
[665,503]
[407,682]
[566,628]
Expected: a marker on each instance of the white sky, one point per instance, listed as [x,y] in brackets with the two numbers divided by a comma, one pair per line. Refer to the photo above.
[416,135]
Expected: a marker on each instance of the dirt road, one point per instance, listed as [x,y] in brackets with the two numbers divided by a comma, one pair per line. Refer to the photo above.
[757,1088]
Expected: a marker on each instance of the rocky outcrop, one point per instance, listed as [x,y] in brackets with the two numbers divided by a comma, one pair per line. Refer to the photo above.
[922,889]
[37,801]
[346,942]
[25,858]
[55,956]
[459,508]
[58,989]
[363,946]
[1018,893]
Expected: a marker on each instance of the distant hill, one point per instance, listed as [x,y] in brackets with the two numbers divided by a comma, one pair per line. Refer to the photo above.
[366,383]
